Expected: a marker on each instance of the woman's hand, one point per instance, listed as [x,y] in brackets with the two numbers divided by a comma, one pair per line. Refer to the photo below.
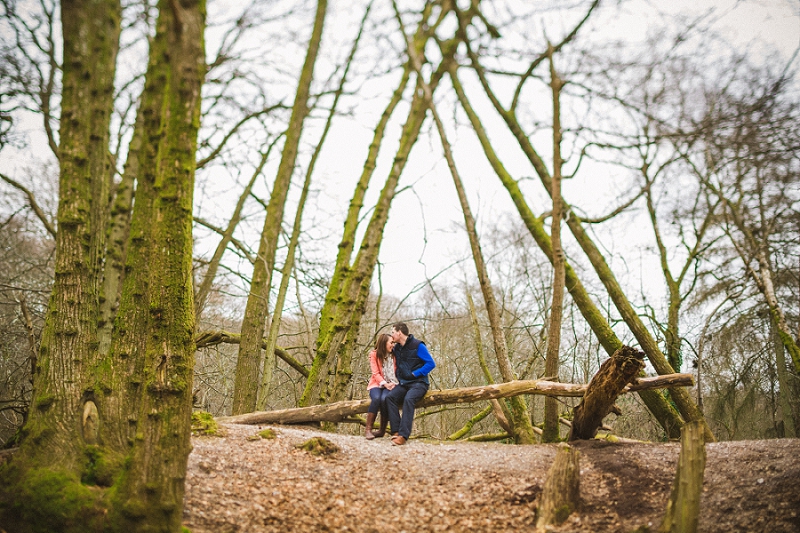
[390,386]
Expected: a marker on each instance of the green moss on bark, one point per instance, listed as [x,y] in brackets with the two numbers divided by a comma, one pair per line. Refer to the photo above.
[46,501]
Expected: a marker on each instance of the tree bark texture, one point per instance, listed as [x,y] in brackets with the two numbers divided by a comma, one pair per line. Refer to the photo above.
[341,411]
[614,375]
[119,225]
[52,453]
[245,390]
[661,409]
[561,491]
[683,507]
[149,494]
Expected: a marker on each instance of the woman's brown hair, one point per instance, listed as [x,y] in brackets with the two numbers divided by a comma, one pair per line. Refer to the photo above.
[380,347]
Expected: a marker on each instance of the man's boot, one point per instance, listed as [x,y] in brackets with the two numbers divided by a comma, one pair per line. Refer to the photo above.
[370,421]
[382,431]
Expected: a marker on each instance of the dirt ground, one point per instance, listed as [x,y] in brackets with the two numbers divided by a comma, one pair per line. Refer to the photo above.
[242,483]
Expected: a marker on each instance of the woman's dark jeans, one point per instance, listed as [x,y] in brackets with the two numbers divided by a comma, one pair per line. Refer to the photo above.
[378,396]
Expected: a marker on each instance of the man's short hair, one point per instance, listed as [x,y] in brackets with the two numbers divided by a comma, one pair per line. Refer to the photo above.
[401,327]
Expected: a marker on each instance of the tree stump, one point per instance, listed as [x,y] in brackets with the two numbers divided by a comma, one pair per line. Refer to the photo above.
[614,375]
[683,507]
[561,492]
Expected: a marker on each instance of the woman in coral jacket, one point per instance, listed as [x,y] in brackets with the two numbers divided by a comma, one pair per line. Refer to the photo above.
[381,362]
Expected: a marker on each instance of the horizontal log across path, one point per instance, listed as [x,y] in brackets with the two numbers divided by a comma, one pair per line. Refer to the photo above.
[341,411]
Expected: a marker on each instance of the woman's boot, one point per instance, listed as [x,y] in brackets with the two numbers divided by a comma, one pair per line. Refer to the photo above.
[370,422]
[382,431]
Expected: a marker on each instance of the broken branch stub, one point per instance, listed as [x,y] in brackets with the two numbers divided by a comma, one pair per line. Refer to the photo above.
[614,375]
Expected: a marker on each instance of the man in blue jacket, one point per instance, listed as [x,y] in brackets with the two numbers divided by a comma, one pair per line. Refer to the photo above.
[413,364]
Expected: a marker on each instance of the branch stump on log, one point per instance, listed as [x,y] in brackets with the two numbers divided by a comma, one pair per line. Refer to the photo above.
[683,507]
[610,381]
[561,491]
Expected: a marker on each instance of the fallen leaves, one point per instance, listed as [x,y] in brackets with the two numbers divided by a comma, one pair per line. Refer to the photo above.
[236,485]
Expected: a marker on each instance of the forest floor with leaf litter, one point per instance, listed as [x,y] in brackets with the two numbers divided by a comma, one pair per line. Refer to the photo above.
[242,483]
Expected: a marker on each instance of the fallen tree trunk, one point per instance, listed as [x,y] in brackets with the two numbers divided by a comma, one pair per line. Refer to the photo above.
[340,411]
[610,381]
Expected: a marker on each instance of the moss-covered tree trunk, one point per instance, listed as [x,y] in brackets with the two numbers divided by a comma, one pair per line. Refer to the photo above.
[683,508]
[119,224]
[149,494]
[51,456]
[245,391]
[561,490]
[661,409]
[347,294]
[272,337]
[107,447]
[50,463]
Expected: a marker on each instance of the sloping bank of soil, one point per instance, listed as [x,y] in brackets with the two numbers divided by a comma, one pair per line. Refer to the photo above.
[240,484]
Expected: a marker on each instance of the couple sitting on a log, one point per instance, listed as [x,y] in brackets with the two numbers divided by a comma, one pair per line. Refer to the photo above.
[400,365]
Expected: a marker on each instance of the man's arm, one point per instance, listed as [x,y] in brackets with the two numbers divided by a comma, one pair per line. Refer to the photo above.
[430,364]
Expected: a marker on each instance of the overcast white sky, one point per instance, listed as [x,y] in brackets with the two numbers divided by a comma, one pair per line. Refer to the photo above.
[413,251]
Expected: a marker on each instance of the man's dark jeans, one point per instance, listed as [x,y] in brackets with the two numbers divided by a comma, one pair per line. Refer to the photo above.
[406,396]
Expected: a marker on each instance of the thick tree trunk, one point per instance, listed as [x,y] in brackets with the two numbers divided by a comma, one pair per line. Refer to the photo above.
[610,381]
[149,494]
[683,507]
[121,419]
[119,226]
[52,456]
[343,411]
[661,409]
[561,491]
[245,390]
